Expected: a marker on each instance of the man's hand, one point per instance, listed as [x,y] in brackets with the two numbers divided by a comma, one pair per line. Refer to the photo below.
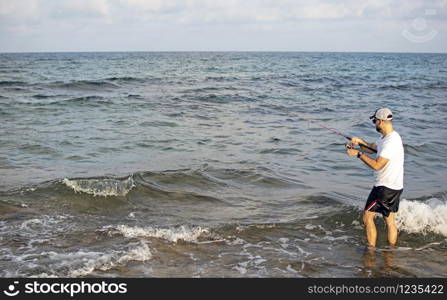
[351,151]
[357,141]
[368,148]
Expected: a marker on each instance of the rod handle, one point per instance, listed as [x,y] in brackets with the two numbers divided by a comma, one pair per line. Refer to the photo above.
[363,145]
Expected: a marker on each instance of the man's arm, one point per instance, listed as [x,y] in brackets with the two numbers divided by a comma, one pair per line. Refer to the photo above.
[375,164]
[364,149]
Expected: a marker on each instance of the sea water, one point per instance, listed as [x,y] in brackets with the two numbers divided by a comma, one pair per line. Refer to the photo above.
[203,164]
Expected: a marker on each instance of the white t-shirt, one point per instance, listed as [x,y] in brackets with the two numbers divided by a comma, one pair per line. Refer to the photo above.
[392,174]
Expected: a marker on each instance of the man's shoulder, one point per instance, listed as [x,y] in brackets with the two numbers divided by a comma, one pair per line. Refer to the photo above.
[393,137]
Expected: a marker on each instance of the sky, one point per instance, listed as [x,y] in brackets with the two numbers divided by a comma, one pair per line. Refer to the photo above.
[223,25]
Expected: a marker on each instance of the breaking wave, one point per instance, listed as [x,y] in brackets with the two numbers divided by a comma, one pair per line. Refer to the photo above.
[83,263]
[173,234]
[425,217]
[101,187]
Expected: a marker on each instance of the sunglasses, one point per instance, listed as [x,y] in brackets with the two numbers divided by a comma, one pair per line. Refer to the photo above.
[374,120]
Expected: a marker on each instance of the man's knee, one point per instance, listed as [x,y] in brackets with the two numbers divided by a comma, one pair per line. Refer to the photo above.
[368,218]
[390,224]
[390,220]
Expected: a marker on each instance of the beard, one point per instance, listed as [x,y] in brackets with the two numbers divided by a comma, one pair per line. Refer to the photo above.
[378,129]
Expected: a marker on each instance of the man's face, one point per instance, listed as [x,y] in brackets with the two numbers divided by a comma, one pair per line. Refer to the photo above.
[378,124]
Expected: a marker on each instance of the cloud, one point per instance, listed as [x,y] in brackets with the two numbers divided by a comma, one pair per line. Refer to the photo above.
[219,11]
[19,9]
[171,21]
[80,8]
[209,11]
[157,6]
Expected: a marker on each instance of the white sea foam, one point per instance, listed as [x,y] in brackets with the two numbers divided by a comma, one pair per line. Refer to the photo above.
[43,224]
[235,241]
[310,227]
[101,187]
[173,234]
[290,269]
[284,242]
[28,223]
[240,267]
[108,261]
[82,263]
[425,217]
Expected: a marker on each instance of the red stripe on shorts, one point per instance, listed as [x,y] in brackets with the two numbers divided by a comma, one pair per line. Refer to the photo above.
[372,204]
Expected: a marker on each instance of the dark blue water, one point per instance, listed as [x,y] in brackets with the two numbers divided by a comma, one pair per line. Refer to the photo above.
[112,164]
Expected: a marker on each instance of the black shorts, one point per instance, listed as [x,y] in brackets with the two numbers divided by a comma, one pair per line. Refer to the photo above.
[383,200]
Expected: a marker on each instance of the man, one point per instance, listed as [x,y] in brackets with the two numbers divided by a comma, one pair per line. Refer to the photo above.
[389,166]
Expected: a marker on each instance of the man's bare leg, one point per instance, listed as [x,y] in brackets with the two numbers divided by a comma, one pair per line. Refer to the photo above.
[370,226]
[392,229]
[369,257]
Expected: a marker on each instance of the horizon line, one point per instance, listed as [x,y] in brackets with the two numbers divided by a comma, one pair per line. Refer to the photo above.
[217,51]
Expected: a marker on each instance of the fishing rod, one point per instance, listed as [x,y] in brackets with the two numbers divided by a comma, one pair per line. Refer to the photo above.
[335,132]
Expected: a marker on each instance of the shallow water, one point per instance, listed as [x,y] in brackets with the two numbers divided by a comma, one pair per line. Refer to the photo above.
[194,164]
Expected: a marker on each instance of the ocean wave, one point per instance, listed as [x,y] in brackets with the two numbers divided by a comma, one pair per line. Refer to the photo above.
[221,78]
[425,217]
[221,98]
[43,224]
[422,217]
[125,79]
[137,80]
[415,149]
[172,234]
[169,185]
[84,85]
[285,151]
[101,187]
[43,96]
[37,149]
[202,184]
[82,263]
[210,89]
[12,83]
[158,124]
[135,96]
[90,100]
[261,177]
[86,100]
[161,186]
[412,86]
[106,262]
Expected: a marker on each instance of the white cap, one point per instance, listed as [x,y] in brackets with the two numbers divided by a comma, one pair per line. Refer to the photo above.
[382,114]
